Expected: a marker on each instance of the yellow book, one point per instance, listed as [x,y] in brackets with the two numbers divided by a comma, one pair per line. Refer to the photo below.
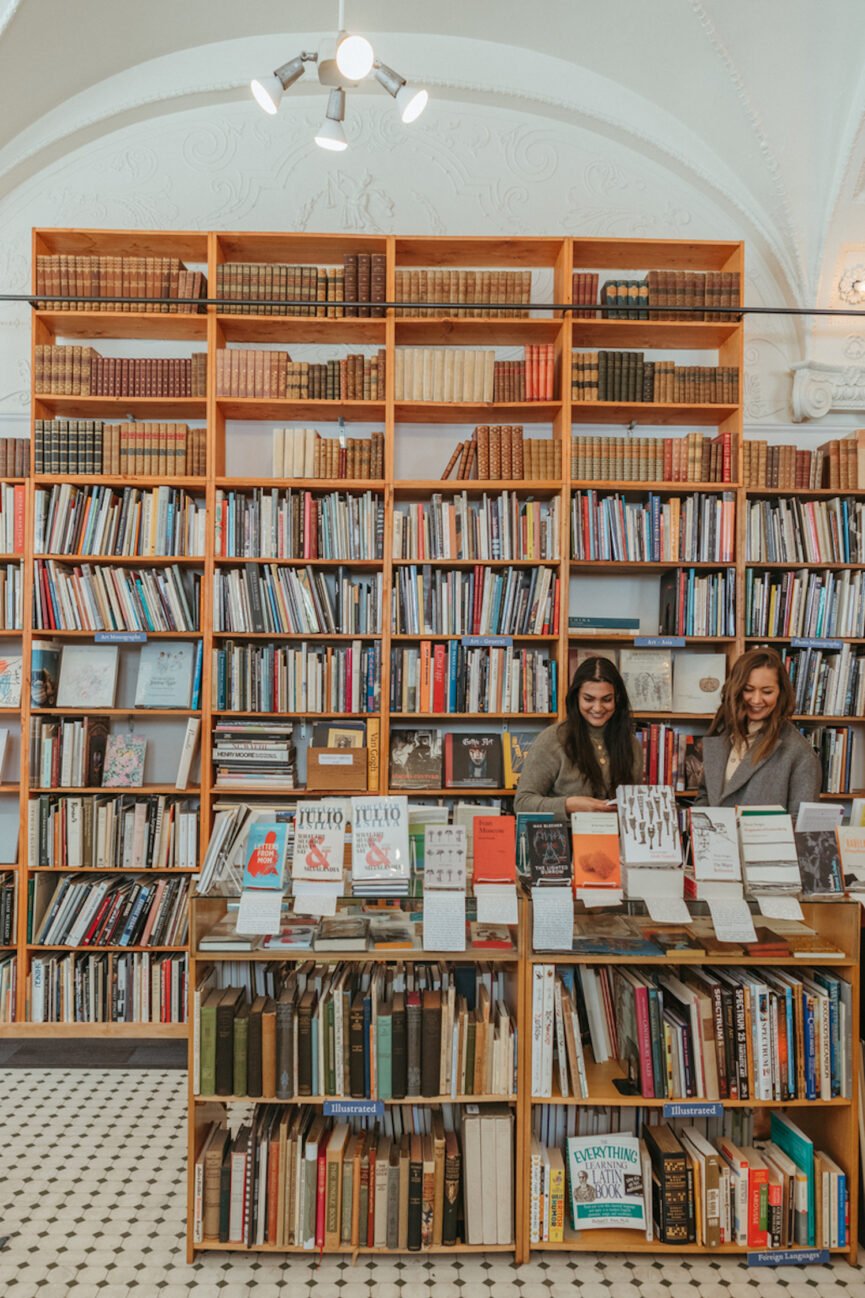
[557,1196]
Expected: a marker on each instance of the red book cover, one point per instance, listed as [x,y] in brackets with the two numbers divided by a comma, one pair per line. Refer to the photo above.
[320,1188]
[18,516]
[479,574]
[273,1185]
[449,760]
[97,918]
[439,678]
[494,849]
[644,1042]
[653,754]
[758,1177]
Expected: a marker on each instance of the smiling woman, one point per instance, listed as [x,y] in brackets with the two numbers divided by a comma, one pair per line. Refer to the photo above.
[752,755]
[578,764]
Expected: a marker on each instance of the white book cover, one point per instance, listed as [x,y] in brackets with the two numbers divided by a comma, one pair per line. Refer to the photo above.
[714,844]
[851,845]
[648,825]
[697,681]
[380,848]
[88,676]
[165,674]
[319,842]
[606,1182]
[648,677]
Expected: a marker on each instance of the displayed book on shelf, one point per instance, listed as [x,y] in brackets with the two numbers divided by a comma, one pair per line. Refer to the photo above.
[145,448]
[14,457]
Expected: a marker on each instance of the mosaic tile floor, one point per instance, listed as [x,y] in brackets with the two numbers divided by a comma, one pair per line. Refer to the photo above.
[92,1189]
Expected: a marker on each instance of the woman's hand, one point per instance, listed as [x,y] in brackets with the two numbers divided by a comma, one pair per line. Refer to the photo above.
[586,804]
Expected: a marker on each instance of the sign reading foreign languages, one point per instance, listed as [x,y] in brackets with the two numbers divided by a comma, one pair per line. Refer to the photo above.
[790,1257]
[354,1108]
[694,1109]
[120,637]
[659,642]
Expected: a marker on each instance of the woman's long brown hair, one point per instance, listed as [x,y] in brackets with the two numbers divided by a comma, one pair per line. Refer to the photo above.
[730,719]
[618,734]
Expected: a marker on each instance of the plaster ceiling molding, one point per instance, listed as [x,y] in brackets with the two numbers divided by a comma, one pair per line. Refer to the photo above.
[765,393]
[467,70]
[819,388]
[849,290]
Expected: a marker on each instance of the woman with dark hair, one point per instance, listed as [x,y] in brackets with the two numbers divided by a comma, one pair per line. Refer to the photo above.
[752,755]
[577,765]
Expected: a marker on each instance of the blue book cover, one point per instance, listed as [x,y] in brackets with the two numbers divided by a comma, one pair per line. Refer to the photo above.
[796,1145]
[266,846]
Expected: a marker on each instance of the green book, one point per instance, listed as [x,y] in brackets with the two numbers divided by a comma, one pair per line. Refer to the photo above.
[384,1052]
[207,1044]
[241,1047]
[329,1047]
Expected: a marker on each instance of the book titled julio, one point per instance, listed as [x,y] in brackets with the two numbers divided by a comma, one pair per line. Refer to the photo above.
[319,842]
[605,1181]
[380,847]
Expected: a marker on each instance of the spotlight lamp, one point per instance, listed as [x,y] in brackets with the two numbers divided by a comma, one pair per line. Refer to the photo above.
[353,62]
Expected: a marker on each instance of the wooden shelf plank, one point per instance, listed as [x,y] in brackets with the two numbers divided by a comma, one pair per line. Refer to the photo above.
[653,414]
[124,324]
[53,405]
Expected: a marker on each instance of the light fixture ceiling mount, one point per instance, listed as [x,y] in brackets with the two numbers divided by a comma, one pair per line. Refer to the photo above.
[348,60]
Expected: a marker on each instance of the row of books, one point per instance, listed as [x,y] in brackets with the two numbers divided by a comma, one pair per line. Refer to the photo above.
[661,680]
[8,890]
[816,604]
[72,370]
[129,832]
[11,586]
[290,524]
[418,1179]
[659,295]
[493,527]
[694,457]
[466,374]
[8,986]
[117,987]
[296,601]
[101,598]
[304,453]
[297,678]
[118,520]
[255,372]
[838,748]
[482,601]
[679,529]
[277,288]
[698,604]
[466,292]
[149,280]
[827,683]
[14,457]
[452,678]
[493,451]
[91,446]
[838,464]
[753,1034]
[628,376]
[254,754]
[360,1031]
[791,530]
[12,505]
[115,911]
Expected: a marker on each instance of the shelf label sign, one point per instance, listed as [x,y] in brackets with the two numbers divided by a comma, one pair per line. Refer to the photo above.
[694,1109]
[120,637]
[487,641]
[790,1257]
[814,642]
[659,642]
[354,1108]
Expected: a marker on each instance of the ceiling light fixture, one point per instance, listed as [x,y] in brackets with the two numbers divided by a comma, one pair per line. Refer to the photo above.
[353,62]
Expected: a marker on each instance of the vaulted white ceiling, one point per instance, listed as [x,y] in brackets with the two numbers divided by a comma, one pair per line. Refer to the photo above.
[755,107]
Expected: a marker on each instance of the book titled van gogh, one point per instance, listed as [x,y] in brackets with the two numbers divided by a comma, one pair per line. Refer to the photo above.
[266,845]
[605,1182]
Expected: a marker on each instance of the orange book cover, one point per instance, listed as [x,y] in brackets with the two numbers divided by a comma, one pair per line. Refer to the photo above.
[494,840]
[424,690]
[595,844]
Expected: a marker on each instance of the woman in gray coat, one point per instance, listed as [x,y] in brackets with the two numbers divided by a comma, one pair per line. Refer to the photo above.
[752,754]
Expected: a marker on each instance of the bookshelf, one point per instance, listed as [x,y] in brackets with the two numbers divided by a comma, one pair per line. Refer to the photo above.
[418,437]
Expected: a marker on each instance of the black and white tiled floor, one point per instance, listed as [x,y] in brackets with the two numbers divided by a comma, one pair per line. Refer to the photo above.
[92,1205]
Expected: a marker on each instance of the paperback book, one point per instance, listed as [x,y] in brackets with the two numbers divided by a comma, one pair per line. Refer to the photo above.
[319,843]
[595,847]
[416,759]
[45,658]
[473,761]
[266,848]
[549,854]
[380,862]
[714,868]
[819,862]
[605,1181]
[648,677]
[124,762]
[88,676]
[648,825]
[165,674]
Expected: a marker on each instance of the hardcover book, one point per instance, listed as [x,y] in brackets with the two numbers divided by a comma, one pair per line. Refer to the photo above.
[495,849]
[473,761]
[549,853]
[605,1182]
[164,674]
[342,933]
[516,745]
[697,682]
[416,759]
[319,842]
[124,762]
[88,676]
[648,677]
[266,848]
[595,847]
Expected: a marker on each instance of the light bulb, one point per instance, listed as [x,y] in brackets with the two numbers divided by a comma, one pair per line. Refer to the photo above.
[354,57]
[268,92]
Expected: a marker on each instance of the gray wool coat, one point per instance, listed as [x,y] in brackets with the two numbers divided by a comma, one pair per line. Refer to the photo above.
[789,775]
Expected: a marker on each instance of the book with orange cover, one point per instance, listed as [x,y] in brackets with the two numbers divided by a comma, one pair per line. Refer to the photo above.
[595,844]
[495,849]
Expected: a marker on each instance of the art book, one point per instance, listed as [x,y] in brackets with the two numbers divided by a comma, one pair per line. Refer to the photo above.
[266,847]
[444,857]
[648,825]
[45,658]
[549,853]
[819,862]
[714,844]
[124,762]
[319,843]
[605,1181]
[380,860]
[595,848]
[473,761]
[88,676]
[416,759]
[516,745]
[697,682]
[10,681]
[165,674]
[648,677]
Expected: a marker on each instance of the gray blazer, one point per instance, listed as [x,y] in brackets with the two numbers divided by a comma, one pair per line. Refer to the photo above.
[789,775]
